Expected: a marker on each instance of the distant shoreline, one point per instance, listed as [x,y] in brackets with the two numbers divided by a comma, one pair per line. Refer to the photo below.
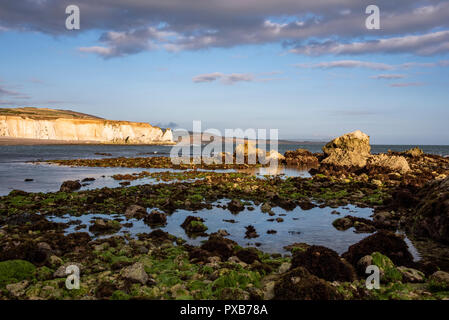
[7,141]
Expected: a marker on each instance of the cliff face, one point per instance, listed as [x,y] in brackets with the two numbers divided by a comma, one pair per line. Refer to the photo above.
[95,130]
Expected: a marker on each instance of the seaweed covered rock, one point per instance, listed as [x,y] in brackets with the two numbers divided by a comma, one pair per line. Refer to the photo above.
[431,218]
[70,186]
[301,158]
[388,271]
[135,211]
[235,206]
[251,232]
[194,225]
[26,250]
[13,271]
[102,226]
[158,236]
[156,218]
[248,255]
[440,280]
[324,263]
[361,225]
[300,284]
[385,242]
[219,246]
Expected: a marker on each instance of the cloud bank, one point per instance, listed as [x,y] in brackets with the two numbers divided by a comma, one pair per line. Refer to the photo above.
[307,27]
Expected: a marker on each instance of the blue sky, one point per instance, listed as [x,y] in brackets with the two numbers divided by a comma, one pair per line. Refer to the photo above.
[309,86]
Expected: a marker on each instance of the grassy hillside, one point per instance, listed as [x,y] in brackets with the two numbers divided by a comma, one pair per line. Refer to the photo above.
[44,113]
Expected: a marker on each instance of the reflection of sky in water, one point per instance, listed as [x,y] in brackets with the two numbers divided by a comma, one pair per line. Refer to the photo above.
[49,177]
[312,226]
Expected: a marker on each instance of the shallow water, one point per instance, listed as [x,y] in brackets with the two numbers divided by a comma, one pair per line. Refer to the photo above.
[313,227]
[49,177]
[14,168]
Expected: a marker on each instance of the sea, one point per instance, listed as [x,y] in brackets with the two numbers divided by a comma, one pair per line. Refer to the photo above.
[17,163]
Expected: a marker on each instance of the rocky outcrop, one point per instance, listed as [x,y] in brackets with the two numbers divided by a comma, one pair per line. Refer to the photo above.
[70,186]
[391,163]
[247,149]
[249,153]
[351,149]
[300,284]
[387,243]
[414,152]
[431,218]
[86,130]
[301,158]
[323,263]
[356,141]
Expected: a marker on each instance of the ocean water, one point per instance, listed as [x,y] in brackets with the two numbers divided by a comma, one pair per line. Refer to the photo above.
[15,166]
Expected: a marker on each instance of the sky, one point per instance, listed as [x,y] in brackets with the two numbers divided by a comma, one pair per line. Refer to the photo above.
[310,68]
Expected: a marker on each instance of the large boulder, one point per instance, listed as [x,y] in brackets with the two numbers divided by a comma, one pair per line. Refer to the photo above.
[431,218]
[351,149]
[440,279]
[389,163]
[300,284]
[356,141]
[70,186]
[324,263]
[384,242]
[219,246]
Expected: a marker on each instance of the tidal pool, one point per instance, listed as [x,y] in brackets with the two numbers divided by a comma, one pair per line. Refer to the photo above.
[312,226]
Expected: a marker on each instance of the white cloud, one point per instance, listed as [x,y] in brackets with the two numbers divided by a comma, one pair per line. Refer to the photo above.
[208,77]
[426,44]
[102,51]
[406,84]
[347,64]
[389,76]
[224,78]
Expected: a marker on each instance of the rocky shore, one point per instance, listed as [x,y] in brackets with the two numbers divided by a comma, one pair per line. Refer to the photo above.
[408,191]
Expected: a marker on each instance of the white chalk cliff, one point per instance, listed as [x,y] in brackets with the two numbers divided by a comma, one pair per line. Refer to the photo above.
[92,130]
